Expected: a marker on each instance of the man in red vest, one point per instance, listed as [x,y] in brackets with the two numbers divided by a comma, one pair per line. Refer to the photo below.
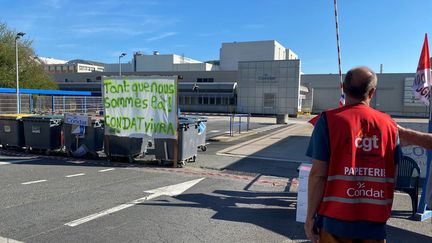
[355,150]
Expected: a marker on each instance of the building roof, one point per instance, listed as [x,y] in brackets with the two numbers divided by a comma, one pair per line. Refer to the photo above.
[75,61]
[50,60]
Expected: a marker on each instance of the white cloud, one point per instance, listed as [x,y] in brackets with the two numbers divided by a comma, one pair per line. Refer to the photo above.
[113,29]
[161,36]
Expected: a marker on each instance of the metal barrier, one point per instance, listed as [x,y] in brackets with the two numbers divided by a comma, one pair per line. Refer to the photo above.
[50,101]
[65,104]
[8,103]
[233,122]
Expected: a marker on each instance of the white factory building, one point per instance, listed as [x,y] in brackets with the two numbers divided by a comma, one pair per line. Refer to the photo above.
[258,77]
[160,63]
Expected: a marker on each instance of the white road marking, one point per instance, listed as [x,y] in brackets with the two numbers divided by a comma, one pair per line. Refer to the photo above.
[33,182]
[9,240]
[75,175]
[213,131]
[16,161]
[110,169]
[172,190]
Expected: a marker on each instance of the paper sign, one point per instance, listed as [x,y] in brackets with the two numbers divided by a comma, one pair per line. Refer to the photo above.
[140,106]
[78,130]
[75,119]
[302,191]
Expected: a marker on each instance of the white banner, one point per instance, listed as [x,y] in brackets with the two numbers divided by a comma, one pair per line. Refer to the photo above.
[140,106]
[77,119]
[421,85]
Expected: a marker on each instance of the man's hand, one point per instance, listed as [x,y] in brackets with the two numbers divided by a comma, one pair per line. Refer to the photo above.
[310,234]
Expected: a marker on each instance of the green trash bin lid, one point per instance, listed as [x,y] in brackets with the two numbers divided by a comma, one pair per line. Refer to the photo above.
[13,116]
[44,117]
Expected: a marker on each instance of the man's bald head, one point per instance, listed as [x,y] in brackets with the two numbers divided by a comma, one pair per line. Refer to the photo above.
[359,82]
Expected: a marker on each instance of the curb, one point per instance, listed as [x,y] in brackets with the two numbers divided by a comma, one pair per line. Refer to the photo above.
[277,182]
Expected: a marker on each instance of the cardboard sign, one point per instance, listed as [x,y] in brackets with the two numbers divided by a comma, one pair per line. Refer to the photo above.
[76,119]
[140,106]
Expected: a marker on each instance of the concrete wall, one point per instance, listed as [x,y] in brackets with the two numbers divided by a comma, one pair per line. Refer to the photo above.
[290,55]
[89,81]
[147,63]
[161,63]
[257,80]
[195,67]
[114,67]
[233,53]
[392,94]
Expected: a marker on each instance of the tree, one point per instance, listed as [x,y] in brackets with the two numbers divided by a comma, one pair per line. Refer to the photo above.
[31,72]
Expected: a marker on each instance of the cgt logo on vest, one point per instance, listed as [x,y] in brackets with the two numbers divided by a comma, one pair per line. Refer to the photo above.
[366,143]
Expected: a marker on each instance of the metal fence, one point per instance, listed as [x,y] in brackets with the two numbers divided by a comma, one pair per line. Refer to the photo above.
[48,104]
[8,104]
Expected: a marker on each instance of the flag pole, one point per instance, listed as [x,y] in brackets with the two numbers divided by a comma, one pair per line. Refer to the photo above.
[342,98]
[423,212]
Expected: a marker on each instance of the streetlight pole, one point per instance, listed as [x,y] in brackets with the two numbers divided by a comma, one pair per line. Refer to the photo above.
[18,98]
[121,55]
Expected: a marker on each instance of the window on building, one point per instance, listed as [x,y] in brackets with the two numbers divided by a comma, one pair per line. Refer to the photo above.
[206,101]
[200,100]
[218,101]
[88,80]
[212,101]
[232,101]
[269,100]
[205,80]
[224,101]
[195,101]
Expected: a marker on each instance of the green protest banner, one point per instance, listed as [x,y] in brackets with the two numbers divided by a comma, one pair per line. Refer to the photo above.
[140,106]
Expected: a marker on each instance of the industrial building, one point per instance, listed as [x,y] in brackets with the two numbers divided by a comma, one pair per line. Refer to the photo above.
[52,66]
[258,77]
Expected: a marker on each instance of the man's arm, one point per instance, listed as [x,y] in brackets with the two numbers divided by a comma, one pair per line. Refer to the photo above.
[316,185]
[411,137]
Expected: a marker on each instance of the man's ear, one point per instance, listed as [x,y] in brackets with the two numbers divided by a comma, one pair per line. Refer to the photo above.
[344,87]
[371,93]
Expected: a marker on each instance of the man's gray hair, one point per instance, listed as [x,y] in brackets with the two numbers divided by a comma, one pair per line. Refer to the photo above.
[359,81]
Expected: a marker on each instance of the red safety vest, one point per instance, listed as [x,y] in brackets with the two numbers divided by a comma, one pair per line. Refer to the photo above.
[361,169]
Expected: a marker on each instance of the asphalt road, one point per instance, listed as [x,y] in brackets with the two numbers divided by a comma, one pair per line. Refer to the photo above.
[242,199]
[40,196]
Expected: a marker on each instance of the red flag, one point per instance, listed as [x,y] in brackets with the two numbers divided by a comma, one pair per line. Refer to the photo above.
[424,61]
[422,80]
[314,120]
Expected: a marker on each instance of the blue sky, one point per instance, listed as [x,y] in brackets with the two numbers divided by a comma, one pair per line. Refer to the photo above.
[371,31]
